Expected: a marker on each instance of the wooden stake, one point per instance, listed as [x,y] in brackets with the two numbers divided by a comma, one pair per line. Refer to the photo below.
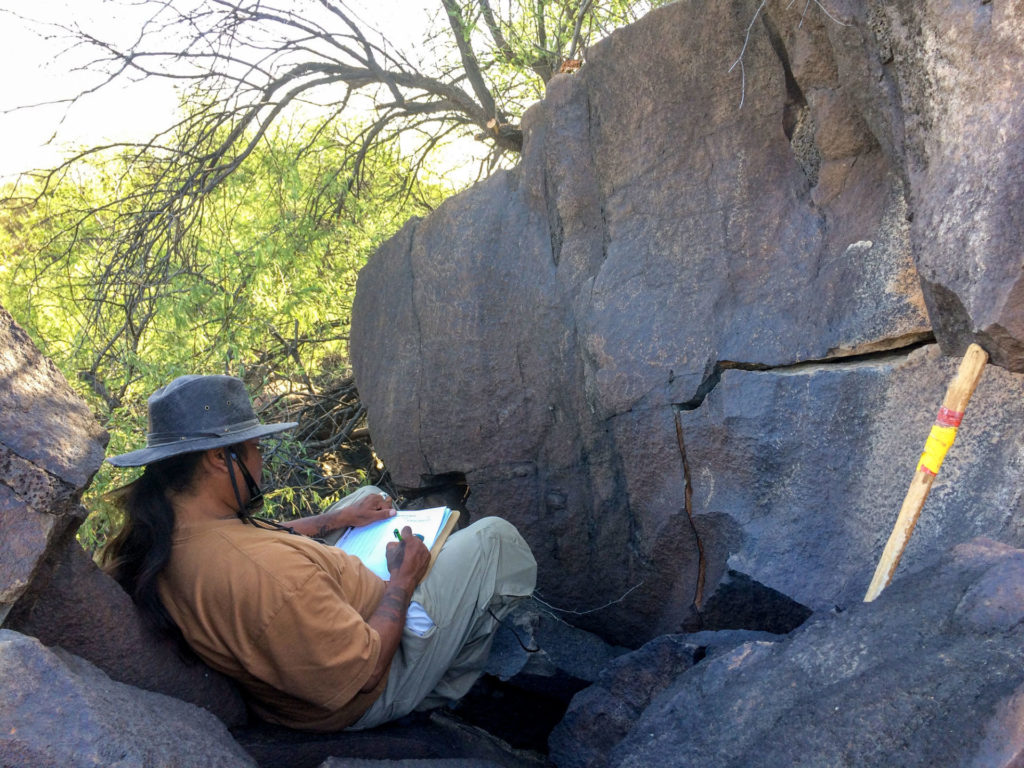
[939,441]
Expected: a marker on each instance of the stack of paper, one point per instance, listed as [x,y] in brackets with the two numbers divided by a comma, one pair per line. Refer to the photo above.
[369,542]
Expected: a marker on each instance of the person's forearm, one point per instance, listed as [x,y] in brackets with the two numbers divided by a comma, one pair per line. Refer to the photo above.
[388,621]
[352,511]
[318,526]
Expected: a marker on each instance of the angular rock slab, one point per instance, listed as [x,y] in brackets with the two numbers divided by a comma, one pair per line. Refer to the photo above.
[429,739]
[807,502]
[42,420]
[81,609]
[536,334]
[920,677]
[50,447]
[958,69]
[601,715]
[26,536]
[59,710]
[532,641]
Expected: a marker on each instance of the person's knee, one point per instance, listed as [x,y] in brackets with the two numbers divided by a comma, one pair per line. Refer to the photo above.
[496,526]
[510,553]
[491,545]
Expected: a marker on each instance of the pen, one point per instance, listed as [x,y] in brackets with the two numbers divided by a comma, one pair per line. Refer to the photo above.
[399,536]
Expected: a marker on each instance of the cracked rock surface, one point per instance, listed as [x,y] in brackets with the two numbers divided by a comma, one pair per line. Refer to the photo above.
[50,447]
[929,674]
[557,336]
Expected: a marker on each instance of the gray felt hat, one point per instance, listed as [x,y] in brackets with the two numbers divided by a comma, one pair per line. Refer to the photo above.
[196,413]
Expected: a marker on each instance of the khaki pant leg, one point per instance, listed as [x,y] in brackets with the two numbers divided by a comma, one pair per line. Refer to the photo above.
[485,567]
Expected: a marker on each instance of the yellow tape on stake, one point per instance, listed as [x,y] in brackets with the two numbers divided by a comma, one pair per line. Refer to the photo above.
[935,448]
[939,441]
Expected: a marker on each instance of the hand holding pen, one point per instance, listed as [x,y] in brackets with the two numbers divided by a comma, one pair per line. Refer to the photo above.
[398,536]
[408,557]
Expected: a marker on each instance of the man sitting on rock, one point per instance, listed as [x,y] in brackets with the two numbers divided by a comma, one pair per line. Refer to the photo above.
[315,639]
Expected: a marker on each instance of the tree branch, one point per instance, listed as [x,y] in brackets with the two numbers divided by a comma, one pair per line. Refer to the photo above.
[469,60]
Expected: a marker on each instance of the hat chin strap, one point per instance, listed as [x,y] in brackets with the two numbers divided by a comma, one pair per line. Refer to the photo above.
[255,502]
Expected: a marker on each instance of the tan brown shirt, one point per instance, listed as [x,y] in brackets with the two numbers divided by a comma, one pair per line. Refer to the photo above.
[283,615]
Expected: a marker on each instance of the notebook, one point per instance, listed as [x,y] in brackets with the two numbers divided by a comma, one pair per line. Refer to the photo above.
[369,542]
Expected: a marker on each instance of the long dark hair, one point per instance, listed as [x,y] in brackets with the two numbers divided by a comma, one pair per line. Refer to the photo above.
[137,554]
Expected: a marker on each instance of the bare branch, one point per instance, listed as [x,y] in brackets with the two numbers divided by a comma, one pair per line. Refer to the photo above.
[496,34]
[469,60]
[574,45]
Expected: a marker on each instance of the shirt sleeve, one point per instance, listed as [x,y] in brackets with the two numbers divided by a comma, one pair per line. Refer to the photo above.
[316,647]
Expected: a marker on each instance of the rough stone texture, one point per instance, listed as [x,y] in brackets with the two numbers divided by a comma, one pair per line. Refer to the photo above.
[958,73]
[545,334]
[59,710]
[601,715]
[41,419]
[431,739]
[532,641]
[85,612]
[50,447]
[929,674]
[806,503]
[26,535]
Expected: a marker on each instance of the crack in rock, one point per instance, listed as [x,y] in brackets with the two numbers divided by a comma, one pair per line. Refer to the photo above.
[871,357]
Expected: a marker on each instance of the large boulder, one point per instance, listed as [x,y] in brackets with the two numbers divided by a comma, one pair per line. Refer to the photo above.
[60,711]
[600,716]
[85,612]
[50,447]
[931,673]
[956,76]
[699,203]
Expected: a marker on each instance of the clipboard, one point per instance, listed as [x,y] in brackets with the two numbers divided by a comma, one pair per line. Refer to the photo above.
[369,542]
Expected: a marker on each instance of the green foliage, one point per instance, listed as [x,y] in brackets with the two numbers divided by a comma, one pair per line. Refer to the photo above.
[524,43]
[260,285]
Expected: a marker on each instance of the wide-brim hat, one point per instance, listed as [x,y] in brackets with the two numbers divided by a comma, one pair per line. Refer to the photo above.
[196,413]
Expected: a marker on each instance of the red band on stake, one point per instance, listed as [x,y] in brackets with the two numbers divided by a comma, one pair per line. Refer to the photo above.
[948,418]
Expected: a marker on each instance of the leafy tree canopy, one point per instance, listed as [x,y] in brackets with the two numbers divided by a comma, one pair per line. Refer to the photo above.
[259,287]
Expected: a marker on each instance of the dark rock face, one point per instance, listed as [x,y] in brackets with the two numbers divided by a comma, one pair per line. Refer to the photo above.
[808,501]
[553,334]
[50,447]
[601,715]
[962,98]
[59,710]
[929,674]
[85,612]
